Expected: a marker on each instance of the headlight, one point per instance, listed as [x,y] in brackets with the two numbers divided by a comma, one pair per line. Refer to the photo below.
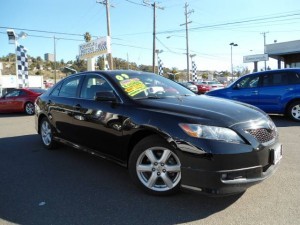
[211,132]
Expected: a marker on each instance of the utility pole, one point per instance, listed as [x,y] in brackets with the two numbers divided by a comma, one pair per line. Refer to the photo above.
[54,39]
[187,13]
[155,6]
[108,5]
[264,34]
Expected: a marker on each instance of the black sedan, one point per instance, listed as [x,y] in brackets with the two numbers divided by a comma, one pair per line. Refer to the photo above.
[168,137]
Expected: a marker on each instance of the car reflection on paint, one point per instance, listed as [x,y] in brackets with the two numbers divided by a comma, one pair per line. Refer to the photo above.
[167,139]
[189,86]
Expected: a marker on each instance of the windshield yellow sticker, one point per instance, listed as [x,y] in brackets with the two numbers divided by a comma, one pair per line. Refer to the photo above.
[122,76]
[133,86]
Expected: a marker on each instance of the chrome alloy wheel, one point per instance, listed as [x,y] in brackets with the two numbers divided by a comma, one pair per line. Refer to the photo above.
[46,133]
[295,112]
[29,108]
[158,169]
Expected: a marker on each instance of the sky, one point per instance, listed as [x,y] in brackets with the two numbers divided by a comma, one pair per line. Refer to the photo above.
[214,25]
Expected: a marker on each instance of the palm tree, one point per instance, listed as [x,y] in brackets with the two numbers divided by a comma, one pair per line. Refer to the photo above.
[87,37]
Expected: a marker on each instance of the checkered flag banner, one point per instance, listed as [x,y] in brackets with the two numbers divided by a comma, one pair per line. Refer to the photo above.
[22,62]
[194,71]
[160,67]
[106,65]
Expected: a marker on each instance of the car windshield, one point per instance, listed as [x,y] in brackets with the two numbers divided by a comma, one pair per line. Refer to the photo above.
[149,85]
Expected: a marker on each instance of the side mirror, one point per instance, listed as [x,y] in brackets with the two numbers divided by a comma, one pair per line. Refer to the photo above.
[237,86]
[106,96]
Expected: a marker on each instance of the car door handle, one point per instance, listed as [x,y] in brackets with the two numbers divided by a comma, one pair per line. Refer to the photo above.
[254,92]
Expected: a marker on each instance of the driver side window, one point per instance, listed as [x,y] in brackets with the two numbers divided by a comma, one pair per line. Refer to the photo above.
[93,84]
[248,82]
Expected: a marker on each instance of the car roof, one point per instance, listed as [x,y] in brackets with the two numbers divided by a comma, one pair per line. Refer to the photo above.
[275,70]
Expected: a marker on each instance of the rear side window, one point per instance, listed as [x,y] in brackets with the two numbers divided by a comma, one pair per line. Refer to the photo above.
[14,93]
[294,78]
[274,79]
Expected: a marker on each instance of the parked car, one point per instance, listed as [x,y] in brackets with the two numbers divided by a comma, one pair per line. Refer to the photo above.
[274,91]
[19,100]
[168,139]
[214,85]
[189,86]
[202,88]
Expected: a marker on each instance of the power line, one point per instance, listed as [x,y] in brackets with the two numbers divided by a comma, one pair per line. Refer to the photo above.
[135,3]
[43,31]
[168,48]
[229,23]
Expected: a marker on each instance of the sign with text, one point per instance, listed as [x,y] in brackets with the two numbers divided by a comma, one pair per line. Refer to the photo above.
[94,48]
[255,58]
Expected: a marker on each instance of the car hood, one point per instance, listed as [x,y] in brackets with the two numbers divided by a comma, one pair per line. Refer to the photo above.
[205,109]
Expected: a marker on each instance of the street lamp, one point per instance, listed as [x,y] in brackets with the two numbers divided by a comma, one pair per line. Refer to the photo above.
[232,45]
[157,51]
[13,39]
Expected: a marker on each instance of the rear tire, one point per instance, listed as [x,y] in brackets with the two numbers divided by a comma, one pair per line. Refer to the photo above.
[29,108]
[47,134]
[155,167]
[294,111]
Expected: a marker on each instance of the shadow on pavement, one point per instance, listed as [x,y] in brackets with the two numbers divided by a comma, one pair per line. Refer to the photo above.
[282,121]
[66,186]
[21,114]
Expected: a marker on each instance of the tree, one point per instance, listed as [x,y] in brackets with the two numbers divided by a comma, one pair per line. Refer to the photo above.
[79,65]
[39,59]
[87,37]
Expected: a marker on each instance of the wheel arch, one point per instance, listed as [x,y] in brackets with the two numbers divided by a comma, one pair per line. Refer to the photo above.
[41,116]
[25,103]
[139,135]
[289,104]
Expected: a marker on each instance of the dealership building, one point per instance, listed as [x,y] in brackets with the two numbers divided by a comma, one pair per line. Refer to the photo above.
[286,52]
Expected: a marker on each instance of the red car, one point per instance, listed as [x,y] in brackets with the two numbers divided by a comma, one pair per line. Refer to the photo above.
[20,100]
[202,87]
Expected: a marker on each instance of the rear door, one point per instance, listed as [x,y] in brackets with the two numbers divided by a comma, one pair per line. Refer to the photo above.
[274,88]
[61,106]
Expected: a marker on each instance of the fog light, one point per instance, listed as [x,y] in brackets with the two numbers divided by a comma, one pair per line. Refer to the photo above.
[224,176]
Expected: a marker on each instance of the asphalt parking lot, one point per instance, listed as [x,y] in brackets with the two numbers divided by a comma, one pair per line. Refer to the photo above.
[71,187]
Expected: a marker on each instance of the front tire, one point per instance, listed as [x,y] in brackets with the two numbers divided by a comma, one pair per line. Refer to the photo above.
[47,134]
[29,108]
[155,167]
[294,111]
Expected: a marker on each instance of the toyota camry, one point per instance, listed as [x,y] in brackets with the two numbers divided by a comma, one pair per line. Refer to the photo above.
[166,136]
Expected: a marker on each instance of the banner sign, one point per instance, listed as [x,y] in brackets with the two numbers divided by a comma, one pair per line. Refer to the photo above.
[22,63]
[94,48]
[256,58]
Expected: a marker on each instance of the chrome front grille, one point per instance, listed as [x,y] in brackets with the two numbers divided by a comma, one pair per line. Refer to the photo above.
[263,135]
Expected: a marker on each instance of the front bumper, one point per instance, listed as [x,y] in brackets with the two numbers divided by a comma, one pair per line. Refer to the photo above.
[223,174]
